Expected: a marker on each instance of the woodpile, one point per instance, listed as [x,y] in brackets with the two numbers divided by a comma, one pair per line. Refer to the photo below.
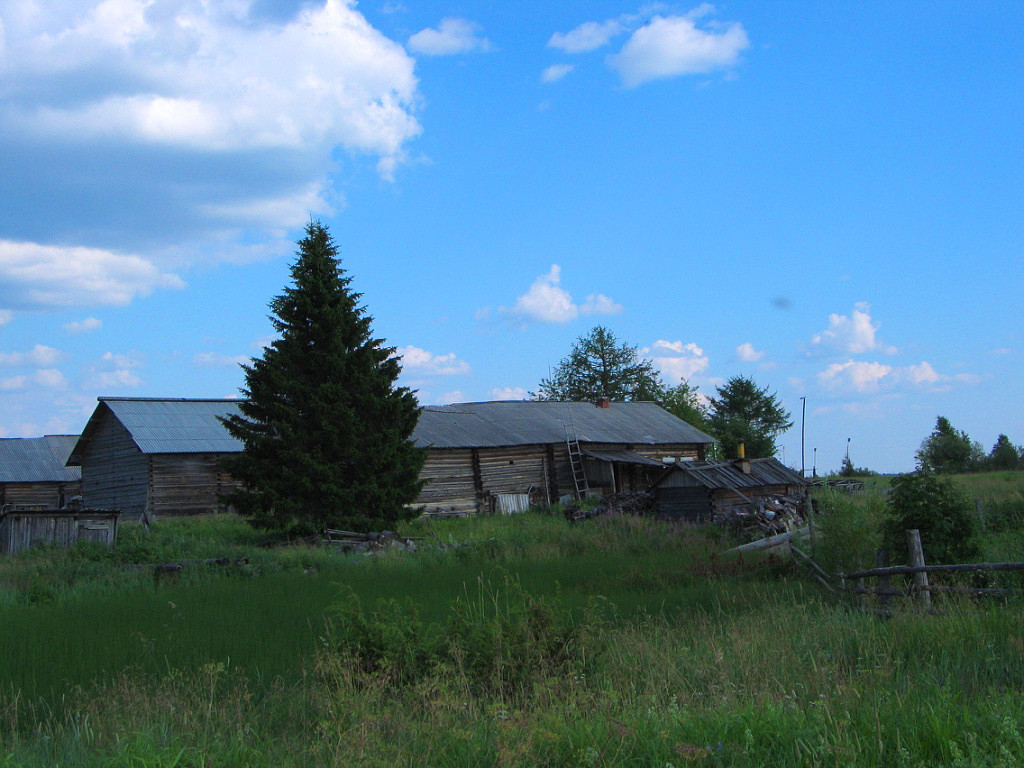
[350,541]
[639,503]
[766,516]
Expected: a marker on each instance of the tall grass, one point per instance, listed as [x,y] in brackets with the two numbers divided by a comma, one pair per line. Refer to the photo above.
[516,641]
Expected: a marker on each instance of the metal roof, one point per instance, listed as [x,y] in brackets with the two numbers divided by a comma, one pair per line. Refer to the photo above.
[37,459]
[166,425]
[623,457]
[194,426]
[725,474]
[538,422]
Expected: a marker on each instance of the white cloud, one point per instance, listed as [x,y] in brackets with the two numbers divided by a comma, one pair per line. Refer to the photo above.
[451,36]
[13,383]
[509,393]
[215,360]
[40,355]
[203,76]
[34,276]
[50,378]
[423,362]
[116,371]
[859,376]
[687,360]
[555,72]
[674,45]
[452,397]
[5,317]
[850,335]
[87,325]
[747,354]
[588,36]
[547,302]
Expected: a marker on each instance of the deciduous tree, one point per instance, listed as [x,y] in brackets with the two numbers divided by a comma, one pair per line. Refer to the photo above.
[326,430]
[948,450]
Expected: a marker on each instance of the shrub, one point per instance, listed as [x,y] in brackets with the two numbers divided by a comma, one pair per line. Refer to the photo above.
[935,507]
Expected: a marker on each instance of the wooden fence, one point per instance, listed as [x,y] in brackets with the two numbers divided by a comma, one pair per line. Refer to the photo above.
[920,589]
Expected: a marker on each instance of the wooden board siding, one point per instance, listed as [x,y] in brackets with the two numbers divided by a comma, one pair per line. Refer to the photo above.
[53,495]
[515,470]
[19,530]
[115,473]
[449,483]
[187,483]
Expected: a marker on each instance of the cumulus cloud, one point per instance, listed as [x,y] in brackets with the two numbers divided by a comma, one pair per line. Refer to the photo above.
[40,355]
[509,393]
[852,334]
[868,377]
[13,383]
[420,361]
[34,276]
[87,325]
[5,317]
[548,302]
[50,378]
[674,45]
[452,36]
[747,354]
[676,360]
[555,72]
[116,371]
[588,36]
[207,123]
[858,376]
[452,397]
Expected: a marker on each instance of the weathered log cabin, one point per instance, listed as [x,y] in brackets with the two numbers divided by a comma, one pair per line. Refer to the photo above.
[503,455]
[158,456]
[33,471]
[163,456]
[699,491]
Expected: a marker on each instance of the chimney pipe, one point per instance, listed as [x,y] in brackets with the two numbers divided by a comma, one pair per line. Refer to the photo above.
[741,452]
[604,402]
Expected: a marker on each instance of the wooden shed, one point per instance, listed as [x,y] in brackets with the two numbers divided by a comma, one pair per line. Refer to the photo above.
[499,456]
[158,456]
[33,471]
[699,491]
[21,528]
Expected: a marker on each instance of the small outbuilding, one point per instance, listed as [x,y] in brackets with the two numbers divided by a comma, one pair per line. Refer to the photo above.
[33,471]
[155,456]
[21,528]
[699,491]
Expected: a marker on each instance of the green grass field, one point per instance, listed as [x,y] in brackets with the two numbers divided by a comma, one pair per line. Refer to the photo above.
[504,641]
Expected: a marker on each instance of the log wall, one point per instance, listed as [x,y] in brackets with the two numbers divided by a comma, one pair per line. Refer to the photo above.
[115,473]
[187,483]
[53,495]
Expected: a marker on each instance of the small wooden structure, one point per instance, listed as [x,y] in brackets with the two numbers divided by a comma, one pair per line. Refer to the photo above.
[33,471]
[699,491]
[155,456]
[21,527]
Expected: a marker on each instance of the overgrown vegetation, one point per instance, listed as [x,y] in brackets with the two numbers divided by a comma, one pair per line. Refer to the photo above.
[502,641]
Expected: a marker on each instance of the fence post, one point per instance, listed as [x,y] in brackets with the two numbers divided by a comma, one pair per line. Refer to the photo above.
[924,595]
[884,581]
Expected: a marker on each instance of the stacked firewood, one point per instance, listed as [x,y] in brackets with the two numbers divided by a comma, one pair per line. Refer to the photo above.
[766,516]
[639,503]
[350,541]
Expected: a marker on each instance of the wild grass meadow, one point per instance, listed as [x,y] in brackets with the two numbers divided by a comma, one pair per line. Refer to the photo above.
[503,641]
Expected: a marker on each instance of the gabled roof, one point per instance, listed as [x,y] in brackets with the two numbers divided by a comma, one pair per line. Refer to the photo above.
[725,474]
[538,422]
[165,425]
[194,426]
[37,459]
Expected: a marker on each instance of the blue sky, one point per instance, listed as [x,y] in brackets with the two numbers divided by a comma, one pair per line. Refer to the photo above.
[826,197]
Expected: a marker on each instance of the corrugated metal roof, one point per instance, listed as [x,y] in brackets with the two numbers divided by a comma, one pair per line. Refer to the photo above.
[37,459]
[538,422]
[193,426]
[725,474]
[623,457]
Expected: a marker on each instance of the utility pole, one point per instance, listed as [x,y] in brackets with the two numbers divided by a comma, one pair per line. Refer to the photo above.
[803,421]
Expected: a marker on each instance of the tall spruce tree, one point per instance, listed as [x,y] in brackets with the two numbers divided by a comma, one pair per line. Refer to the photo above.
[325,428]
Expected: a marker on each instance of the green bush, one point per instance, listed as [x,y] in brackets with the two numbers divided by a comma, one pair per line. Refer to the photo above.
[939,510]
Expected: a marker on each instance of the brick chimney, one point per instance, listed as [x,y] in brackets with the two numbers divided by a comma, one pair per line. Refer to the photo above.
[604,402]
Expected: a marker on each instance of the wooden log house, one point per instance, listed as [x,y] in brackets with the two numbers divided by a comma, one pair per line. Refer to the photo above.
[33,471]
[162,456]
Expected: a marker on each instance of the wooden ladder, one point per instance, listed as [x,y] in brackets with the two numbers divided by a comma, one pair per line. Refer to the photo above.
[579,473]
